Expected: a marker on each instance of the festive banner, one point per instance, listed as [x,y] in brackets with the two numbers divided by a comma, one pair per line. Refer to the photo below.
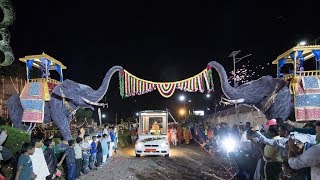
[131,85]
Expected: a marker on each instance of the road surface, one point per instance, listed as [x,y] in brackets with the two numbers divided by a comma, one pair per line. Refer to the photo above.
[185,162]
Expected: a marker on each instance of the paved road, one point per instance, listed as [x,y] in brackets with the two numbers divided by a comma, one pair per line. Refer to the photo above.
[185,162]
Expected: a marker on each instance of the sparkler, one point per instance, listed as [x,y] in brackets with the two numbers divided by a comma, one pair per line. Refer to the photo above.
[248,72]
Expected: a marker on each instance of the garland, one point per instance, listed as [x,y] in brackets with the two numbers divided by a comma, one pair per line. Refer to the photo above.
[152,139]
[131,85]
[121,83]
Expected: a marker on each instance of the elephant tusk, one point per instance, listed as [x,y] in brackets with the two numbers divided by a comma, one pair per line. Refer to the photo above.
[241,100]
[231,101]
[95,103]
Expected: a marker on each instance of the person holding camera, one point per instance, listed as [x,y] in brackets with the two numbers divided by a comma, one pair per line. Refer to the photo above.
[298,159]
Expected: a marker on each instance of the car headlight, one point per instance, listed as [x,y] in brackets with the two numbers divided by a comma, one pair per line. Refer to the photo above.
[139,145]
[164,144]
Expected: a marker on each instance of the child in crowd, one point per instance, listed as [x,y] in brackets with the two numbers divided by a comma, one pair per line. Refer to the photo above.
[86,154]
[99,151]
[111,147]
[40,167]
[50,158]
[25,169]
[70,157]
[93,152]
[115,133]
[105,150]
[78,154]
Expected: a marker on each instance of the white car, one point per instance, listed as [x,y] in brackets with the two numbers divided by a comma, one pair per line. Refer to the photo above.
[152,133]
[152,145]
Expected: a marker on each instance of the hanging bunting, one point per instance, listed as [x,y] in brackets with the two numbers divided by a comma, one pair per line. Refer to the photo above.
[131,85]
[166,89]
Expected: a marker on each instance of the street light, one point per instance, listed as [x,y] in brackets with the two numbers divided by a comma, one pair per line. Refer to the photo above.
[104,115]
[182,111]
[233,55]
[302,43]
[208,95]
[182,98]
[235,60]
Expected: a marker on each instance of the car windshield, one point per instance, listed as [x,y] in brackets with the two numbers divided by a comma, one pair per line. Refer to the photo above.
[154,125]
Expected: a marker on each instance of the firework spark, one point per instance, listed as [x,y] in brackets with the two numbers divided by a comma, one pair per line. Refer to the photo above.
[248,72]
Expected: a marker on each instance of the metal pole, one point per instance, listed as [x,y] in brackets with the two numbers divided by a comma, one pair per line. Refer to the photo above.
[234,85]
[234,70]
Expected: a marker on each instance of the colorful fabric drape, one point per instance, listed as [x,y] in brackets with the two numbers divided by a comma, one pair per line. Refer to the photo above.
[33,97]
[307,96]
[131,85]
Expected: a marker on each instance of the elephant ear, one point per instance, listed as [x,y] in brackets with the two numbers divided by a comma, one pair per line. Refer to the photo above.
[67,88]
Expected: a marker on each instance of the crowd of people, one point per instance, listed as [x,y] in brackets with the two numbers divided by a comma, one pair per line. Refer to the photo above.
[178,134]
[42,159]
[272,151]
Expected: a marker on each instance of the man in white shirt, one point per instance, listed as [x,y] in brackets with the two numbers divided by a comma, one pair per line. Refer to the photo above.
[39,164]
[105,130]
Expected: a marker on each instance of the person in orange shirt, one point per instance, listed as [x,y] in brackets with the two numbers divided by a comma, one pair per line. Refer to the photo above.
[179,134]
[210,133]
[187,135]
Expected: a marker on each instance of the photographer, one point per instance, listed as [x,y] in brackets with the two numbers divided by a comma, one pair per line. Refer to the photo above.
[295,147]
[308,158]
[256,156]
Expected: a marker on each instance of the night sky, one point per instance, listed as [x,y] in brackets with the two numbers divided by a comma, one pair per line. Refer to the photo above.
[158,41]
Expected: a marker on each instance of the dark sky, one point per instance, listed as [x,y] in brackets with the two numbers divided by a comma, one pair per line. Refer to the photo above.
[158,41]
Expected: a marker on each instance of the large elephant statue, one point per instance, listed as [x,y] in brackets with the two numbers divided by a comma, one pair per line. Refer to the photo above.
[270,95]
[66,98]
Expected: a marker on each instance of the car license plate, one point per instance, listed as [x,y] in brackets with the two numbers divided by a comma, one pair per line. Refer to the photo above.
[150,150]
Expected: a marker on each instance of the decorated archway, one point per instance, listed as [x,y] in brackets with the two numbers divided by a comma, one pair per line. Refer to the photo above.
[131,85]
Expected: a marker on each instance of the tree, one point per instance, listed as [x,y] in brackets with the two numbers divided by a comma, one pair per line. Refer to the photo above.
[83,113]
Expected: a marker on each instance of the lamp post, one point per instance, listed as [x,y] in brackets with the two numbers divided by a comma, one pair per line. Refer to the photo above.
[235,84]
[302,43]
[182,98]
[233,55]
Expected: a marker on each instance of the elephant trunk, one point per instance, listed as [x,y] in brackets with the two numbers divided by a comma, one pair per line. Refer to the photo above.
[97,95]
[227,89]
